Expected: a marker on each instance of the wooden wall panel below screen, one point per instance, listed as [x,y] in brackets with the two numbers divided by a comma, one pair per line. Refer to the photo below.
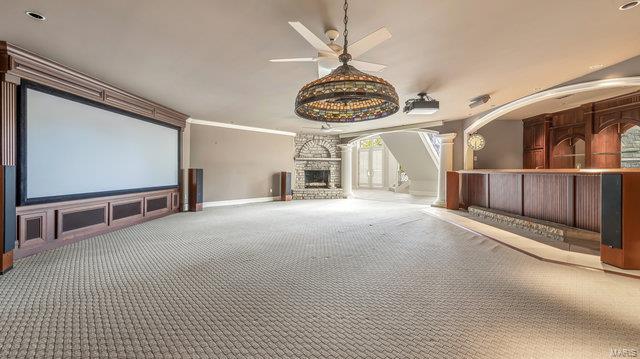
[51,225]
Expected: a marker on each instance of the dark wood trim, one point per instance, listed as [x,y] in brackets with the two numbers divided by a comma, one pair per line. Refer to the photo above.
[285,191]
[453,190]
[63,235]
[129,219]
[26,65]
[6,262]
[630,220]
[159,211]
[195,200]
[22,229]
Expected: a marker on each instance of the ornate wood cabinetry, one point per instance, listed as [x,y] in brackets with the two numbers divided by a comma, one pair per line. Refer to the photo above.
[550,139]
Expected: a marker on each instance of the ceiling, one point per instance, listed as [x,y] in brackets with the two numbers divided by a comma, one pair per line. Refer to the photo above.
[209,58]
[565,103]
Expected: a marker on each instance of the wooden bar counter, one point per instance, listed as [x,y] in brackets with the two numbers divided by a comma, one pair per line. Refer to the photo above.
[599,200]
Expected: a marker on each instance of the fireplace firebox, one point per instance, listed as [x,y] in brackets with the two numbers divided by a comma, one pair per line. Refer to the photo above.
[316,178]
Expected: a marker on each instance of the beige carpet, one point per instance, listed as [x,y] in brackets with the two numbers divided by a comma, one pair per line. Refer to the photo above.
[315,279]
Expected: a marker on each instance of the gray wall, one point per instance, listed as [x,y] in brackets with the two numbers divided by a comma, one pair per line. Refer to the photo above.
[504,145]
[239,164]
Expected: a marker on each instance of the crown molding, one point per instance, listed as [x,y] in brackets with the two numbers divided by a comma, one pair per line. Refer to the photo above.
[193,121]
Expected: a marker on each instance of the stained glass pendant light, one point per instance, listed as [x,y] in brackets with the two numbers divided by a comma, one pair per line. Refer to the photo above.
[347,94]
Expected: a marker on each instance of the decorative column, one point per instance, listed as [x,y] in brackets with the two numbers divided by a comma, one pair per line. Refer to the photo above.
[8,117]
[445,163]
[345,173]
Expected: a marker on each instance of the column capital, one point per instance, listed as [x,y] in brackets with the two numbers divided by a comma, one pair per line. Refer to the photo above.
[345,146]
[446,137]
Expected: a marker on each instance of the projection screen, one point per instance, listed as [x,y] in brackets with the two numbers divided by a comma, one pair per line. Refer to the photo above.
[72,148]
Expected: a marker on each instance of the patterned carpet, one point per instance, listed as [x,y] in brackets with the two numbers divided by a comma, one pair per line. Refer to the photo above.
[315,279]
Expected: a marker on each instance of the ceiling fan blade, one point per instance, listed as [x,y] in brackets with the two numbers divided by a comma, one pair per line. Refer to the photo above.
[299,59]
[367,66]
[310,37]
[369,42]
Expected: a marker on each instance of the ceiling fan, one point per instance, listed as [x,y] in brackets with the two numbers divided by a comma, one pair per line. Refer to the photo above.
[326,128]
[328,53]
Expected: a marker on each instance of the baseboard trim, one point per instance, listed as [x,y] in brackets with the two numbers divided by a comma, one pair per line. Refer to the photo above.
[236,202]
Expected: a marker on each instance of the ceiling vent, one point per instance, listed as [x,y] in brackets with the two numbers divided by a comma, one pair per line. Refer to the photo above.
[478,101]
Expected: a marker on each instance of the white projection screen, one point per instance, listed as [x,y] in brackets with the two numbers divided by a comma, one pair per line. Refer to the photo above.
[72,148]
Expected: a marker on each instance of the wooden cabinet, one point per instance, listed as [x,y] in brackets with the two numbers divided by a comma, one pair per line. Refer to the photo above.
[535,141]
[534,159]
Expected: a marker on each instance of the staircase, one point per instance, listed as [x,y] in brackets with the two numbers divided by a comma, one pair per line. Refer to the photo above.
[418,156]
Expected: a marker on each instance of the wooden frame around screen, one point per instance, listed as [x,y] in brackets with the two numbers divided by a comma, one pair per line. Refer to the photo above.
[22,147]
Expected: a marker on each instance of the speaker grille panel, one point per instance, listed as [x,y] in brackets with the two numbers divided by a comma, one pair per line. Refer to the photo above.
[33,228]
[126,210]
[611,212]
[155,204]
[200,179]
[77,220]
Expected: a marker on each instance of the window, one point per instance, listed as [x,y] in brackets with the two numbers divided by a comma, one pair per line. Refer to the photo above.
[371,143]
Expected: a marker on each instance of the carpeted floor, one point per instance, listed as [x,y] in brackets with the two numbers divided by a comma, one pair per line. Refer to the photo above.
[315,279]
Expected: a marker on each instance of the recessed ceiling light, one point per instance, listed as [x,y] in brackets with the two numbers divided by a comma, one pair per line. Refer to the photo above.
[629,5]
[595,67]
[36,16]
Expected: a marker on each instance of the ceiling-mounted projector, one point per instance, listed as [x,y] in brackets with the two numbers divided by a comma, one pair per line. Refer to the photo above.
[424,105]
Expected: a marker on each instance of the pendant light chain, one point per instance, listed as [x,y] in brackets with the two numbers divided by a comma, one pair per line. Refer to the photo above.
[345,57]
[346,30]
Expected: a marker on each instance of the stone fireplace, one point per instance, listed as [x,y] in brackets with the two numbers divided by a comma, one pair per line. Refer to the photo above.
[317,167]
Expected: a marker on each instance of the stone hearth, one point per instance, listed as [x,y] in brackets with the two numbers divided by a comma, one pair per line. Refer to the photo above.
[317,153]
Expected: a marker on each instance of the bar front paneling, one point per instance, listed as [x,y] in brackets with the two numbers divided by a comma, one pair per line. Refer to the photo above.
[546,197]
[570,197]
[508,197]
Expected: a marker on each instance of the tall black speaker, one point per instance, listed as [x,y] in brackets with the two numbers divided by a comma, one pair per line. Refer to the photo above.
[611,211]
[196,189]
[285,186]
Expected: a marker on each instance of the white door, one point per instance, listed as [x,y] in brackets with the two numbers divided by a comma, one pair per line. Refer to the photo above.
[371,168]
[376,168]
[363,168]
